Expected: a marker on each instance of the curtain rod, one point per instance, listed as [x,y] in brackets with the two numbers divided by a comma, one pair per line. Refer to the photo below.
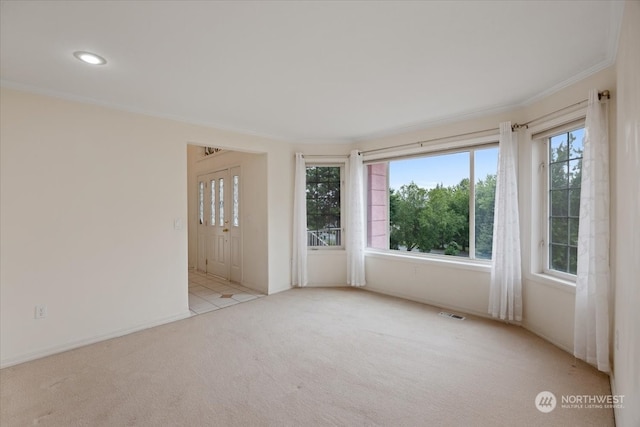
[517,126]
[514,127]
[421,143]
[329,156]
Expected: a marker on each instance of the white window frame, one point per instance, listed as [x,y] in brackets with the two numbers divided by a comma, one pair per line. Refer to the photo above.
[545,213]
[453,147]
[540,136]
[339,163]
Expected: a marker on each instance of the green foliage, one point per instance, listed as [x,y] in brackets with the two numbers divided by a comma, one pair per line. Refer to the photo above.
[485,205]
[438,218]
[406,207]
[565,176]
[323,197]
[452,249]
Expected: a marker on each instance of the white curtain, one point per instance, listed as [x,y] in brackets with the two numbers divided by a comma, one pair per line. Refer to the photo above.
[299,263]
[505,294]
[356,225]
[591,330]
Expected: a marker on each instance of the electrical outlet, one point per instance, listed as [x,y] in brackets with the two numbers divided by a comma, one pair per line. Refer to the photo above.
[40,311]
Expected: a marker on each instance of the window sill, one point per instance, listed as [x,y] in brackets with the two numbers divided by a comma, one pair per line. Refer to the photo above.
[554,282]
[326,251]
[437,260]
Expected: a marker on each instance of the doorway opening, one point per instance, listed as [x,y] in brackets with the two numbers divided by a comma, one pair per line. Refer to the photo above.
[227,225]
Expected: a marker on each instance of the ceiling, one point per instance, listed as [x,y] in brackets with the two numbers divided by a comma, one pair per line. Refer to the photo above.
[307,71]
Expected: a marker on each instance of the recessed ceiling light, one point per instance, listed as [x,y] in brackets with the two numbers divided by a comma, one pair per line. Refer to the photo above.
[89,58]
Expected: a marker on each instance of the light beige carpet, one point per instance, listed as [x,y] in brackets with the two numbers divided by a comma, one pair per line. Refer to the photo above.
[307,357]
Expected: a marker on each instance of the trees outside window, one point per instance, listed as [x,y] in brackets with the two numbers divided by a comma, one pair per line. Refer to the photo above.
[431,208]
[324,206]
[564,179]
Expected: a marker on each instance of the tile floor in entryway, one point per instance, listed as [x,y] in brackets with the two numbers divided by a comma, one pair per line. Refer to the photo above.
[208,293]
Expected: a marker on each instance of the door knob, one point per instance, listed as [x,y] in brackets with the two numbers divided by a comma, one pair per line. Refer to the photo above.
[225,230]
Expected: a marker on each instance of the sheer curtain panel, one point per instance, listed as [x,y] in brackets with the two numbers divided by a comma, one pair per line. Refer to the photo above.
[356,223]
[591,330]
[299,262]
[505,293]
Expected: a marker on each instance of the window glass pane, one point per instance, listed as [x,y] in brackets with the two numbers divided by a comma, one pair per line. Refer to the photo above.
[576,143]
[565,174]
[221,200]
[558,148]
[323,206]
[559,230]
[429,204]
[485,168]
[236,200]
[559,203]
[559,175]
[213,201]
[201,202]
[559,259]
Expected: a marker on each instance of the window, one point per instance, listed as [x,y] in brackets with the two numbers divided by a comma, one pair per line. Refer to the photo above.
[564,157]
[201,202]
[221,200]
[324,206]
[236,201]
[212,193]
[439,204]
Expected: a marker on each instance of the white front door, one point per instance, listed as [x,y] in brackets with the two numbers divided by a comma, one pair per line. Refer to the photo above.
[219,235]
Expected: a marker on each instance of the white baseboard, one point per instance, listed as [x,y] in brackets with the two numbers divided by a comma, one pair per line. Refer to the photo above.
[545,337]
[11,361]
[326,285]
[473,312]
[429,302]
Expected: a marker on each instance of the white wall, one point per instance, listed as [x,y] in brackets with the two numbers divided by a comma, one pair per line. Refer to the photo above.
[88,201]
[626,201]
[89,197]
[253,209]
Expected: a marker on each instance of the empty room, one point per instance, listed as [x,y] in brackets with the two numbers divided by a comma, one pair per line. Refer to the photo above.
[320,213]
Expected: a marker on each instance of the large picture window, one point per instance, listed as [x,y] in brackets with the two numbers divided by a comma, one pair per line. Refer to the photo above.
[438,204]
[324,206]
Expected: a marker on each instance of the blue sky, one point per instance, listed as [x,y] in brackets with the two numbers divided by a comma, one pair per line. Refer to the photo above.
[447,169]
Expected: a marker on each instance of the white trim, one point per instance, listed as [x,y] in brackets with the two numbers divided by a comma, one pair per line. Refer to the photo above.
[538,131]
[11,361]
[434,304]
[552,281]
[135,110]
[470,146]
[339,162]
[545,337]
[561,123]
[430,124]
[442,260]
[604,64]
[441,146]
